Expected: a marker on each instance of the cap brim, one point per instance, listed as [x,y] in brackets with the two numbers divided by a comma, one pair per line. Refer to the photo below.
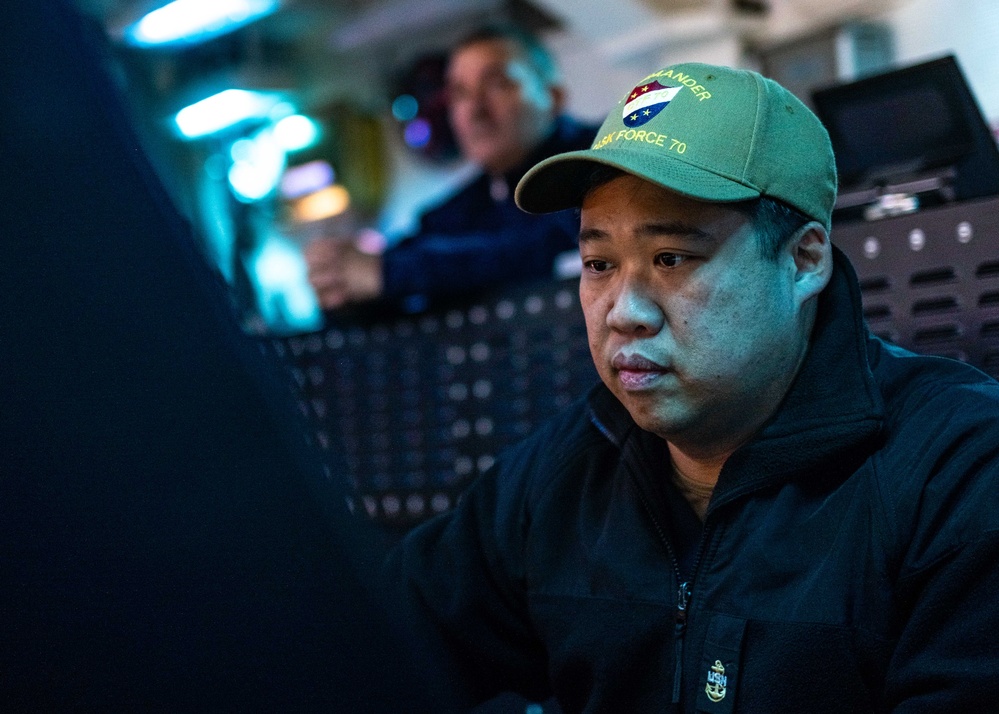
[560,181]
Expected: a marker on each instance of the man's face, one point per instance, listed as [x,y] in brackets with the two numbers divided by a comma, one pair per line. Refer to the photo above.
[499,108]
[690,326]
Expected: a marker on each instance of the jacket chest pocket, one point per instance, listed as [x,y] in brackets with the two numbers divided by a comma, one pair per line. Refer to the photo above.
[787,667]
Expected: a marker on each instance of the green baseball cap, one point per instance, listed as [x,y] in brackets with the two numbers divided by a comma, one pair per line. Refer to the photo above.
[708,132]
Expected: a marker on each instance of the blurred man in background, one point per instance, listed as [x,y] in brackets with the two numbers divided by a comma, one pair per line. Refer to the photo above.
[505,102]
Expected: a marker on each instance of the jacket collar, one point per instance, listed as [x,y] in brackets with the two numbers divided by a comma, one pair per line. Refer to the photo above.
[829,420]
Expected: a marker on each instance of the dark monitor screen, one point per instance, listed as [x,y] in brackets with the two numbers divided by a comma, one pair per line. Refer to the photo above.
[908,123]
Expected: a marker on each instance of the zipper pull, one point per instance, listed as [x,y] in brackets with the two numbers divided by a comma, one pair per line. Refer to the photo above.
[680,617]
[682,601]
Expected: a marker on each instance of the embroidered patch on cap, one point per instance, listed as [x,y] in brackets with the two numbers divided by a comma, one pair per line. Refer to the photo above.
[646,101]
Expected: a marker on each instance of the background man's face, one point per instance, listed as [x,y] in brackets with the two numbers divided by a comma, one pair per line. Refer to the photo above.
[499,108]
[693,330]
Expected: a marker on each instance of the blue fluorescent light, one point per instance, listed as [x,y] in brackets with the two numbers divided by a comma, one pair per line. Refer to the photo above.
[296,132]
[258,163]
[197,20]
[223,110]
[405,107]
[417,133]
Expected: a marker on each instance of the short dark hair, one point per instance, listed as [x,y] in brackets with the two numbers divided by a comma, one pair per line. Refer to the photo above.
[775,221]
[532,49]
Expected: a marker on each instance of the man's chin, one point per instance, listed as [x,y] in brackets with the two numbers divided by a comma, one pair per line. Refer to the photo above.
[486,155]
[651,416]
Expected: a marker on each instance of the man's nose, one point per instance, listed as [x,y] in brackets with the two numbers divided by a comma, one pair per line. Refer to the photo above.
[635,308]
[477,101]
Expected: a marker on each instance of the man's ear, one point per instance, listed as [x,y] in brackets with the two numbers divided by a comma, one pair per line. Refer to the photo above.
[813,262]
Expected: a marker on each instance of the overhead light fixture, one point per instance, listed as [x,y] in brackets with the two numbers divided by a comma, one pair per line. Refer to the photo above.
[223,110]
[257,165]
[296,132]
[196,20]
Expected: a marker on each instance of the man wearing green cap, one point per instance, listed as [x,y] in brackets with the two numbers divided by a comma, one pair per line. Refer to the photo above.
[763,507]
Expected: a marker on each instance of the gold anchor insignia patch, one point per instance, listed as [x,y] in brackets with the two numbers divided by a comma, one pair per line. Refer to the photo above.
[717,682]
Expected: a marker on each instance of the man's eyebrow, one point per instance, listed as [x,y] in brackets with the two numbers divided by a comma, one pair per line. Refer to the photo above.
[652,230]
[498,70]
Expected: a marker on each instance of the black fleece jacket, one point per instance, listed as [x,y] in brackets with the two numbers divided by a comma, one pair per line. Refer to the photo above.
[848,561]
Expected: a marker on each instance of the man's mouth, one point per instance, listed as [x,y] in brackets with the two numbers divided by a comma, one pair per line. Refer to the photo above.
[636,372]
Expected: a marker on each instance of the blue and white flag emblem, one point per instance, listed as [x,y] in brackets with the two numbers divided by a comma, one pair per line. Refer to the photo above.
[645,101]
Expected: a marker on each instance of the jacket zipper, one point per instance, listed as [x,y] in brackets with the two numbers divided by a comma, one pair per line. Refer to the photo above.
[682,601]
[684,592]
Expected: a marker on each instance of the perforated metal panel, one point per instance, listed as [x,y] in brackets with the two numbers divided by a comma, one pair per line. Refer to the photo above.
[421,405]
[930,280]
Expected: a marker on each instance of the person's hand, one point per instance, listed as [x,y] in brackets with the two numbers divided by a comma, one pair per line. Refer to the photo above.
[341,274]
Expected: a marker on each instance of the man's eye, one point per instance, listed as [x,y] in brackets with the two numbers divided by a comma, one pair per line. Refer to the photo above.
[498,82]
[596,266]
[670,260]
